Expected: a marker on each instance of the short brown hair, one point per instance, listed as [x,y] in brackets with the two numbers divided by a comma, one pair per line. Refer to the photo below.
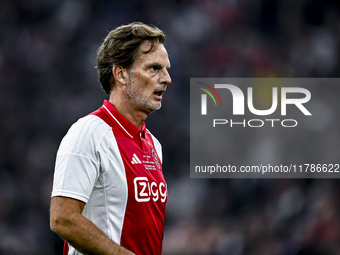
[121,46]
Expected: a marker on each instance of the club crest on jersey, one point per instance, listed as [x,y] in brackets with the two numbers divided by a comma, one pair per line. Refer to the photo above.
[155,158]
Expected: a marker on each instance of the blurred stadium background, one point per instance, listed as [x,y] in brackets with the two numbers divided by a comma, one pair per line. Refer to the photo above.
[48,80]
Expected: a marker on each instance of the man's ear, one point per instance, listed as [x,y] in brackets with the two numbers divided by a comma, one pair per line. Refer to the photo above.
[120,74]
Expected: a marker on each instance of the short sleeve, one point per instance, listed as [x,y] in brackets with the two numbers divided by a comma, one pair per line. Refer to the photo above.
[74,176]
[78,161]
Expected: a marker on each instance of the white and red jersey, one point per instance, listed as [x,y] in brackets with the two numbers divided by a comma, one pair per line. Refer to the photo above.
[115,168]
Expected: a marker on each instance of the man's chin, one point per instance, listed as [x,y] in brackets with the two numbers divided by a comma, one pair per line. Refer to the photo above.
[155,107]
[159,106]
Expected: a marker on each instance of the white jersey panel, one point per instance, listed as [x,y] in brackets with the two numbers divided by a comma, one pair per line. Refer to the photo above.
[89,168]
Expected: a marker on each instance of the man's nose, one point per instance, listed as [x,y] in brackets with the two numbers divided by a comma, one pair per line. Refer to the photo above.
[165,79]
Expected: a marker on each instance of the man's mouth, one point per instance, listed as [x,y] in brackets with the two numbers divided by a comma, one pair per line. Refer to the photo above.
[159,93]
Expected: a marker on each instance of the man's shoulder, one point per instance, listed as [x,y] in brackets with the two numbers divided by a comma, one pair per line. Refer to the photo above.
[89,124]
[85,133]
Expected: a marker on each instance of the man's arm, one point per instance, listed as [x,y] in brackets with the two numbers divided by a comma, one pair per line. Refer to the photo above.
[66,221]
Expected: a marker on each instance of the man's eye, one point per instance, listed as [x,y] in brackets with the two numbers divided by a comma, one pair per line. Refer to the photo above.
[154,68]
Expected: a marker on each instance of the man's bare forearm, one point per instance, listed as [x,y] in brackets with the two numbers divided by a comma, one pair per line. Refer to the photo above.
[81,233]
[84,236]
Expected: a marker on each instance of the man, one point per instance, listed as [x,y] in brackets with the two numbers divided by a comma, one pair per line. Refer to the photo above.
[109,192]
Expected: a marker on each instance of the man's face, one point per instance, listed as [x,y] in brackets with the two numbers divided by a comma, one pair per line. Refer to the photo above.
[148,78]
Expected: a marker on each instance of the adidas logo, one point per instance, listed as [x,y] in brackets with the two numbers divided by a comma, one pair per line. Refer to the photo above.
[135,159]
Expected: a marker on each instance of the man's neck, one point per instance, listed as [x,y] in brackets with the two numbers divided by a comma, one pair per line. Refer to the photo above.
[135,117]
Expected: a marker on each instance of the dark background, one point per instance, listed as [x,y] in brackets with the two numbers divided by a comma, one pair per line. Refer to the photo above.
[48,80]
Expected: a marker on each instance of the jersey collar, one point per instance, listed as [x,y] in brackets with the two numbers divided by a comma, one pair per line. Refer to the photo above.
[121,122]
